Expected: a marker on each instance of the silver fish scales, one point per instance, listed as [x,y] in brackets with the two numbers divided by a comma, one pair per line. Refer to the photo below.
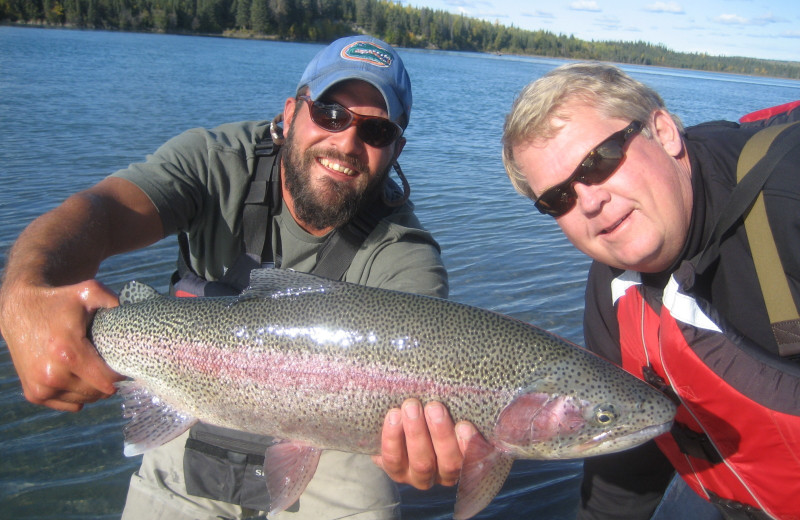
[318,363]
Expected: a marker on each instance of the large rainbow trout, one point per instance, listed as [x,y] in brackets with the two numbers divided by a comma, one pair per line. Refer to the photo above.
[318,363]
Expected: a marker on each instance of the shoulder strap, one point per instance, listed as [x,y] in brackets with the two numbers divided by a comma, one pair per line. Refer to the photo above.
[748,189]
[760,156]
[774,286]
[263,196]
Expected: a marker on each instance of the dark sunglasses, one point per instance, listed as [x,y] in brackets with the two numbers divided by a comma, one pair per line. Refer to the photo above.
[596,167]
[333,117]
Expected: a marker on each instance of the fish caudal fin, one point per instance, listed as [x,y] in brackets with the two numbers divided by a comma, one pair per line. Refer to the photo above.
[134,291]
[483,473]
[152,421]
[288,467]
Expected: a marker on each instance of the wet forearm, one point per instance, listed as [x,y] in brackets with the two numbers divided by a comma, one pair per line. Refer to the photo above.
[63,246]
[67,244]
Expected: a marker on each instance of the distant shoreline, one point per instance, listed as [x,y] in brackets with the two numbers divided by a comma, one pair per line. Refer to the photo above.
[251,35]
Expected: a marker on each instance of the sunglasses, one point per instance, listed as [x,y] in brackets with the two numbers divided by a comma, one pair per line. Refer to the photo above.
[596,167]
[333,117]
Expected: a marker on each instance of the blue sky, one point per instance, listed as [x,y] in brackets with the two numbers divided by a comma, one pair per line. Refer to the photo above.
[767,29]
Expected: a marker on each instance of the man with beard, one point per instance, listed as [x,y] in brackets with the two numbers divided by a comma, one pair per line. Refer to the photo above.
[239,198]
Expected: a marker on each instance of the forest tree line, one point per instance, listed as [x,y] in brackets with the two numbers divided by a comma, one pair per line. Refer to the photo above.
[325,20]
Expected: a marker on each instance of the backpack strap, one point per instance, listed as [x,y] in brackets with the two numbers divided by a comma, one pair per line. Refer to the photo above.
[759,152]
[263,197]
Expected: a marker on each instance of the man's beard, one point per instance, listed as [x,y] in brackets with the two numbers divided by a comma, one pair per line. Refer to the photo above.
[336,203]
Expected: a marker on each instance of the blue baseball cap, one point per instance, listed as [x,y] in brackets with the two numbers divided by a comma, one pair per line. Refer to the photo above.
[365,58]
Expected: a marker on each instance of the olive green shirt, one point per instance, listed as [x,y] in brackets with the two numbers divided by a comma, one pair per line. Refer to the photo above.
[198,182]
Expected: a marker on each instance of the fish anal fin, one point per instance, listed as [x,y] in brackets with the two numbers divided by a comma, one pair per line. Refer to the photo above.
[152,421]
[288,467]
[483,473]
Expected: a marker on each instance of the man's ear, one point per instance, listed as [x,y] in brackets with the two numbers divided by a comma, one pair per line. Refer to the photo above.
[667,133]
[288,112]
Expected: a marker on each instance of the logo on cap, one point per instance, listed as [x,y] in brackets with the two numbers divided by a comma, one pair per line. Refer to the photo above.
[368,52]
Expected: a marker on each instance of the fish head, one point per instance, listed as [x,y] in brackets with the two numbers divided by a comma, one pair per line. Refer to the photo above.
[603,410]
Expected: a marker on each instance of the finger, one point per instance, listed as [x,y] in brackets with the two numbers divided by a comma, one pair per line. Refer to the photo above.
[95,295]
[422,469]
[393,458]
[94,373]
[57,384]
[465,431]
[62,406]
[449,458]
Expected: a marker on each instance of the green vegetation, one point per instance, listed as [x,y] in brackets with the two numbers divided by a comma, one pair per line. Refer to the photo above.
[325,20]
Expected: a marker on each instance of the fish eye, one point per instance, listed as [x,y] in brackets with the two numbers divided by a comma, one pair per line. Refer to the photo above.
[605,414]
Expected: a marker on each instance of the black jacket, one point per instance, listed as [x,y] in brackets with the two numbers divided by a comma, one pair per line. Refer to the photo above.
[629,485]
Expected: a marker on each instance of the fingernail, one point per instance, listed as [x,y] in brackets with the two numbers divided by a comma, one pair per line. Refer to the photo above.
[411,410]
[394,417]
[435,412]
[464,432]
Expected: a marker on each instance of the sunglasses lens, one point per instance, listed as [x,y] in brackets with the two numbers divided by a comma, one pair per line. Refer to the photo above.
[332,118]
[599,166]
[556,201]
[377,132]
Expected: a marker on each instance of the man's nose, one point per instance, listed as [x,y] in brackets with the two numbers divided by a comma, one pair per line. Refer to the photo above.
[590,197]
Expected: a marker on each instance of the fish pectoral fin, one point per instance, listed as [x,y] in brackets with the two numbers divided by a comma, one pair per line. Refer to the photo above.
[289,467]
[483,473]
[152,421]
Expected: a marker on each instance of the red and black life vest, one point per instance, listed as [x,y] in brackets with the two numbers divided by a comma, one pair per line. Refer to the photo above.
[736,439]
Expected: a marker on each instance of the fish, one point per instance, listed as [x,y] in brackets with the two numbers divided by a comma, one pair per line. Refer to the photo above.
[317,364]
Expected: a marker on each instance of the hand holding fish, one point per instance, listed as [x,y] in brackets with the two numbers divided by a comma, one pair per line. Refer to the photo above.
[423,449]
[45,329]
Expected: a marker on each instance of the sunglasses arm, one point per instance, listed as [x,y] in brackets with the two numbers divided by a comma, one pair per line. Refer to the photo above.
[395,203]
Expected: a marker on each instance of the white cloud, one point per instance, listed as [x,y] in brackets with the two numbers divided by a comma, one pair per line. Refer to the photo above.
[767,19]
[665,7]
[584,5]
[538,14]
[735,19]
[731,19]
[608,22]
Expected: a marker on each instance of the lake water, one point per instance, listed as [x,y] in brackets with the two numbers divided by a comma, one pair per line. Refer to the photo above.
[76,106]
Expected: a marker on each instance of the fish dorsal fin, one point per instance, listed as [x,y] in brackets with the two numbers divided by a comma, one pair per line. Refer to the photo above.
[133,292]
[281,283]
[483,473]
[289,467]
[152,421]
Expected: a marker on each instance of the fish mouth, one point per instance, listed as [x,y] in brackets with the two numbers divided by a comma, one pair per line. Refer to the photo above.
[606,443]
